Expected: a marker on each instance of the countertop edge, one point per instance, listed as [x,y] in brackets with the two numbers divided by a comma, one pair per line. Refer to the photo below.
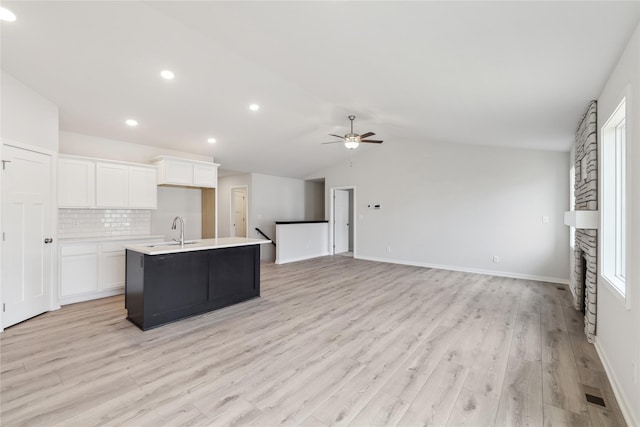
[164,250]
[111,238]
[301,222]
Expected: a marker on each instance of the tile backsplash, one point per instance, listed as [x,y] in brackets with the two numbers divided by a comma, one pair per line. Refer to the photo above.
[78,223]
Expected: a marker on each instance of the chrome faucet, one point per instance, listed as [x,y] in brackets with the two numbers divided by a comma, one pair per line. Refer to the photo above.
[173,227]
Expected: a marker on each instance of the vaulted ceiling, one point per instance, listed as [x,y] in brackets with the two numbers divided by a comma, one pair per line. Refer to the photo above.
[514,74]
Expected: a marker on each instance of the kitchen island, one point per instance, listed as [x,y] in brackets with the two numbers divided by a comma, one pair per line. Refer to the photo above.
[166,282]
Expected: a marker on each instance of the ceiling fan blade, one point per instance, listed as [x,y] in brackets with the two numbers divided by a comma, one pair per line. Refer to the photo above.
[367,135]
[337,136]
[332,142]
[374,141]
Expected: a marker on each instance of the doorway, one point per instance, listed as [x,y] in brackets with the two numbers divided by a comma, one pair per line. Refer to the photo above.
[343,221]
[27,230]
[239,211]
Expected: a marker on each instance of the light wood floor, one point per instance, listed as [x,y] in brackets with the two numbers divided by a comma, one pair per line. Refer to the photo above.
[332,341]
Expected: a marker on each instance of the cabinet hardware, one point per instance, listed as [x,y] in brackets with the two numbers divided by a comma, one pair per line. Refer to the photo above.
[48,240]
[4,308]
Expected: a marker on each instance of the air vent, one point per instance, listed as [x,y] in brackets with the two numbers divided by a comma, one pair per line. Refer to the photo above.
[595,400]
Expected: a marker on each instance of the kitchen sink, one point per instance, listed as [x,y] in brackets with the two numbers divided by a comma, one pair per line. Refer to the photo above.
[173,243]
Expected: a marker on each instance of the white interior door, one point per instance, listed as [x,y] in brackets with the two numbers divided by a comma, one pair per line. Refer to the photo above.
[239,213]
[26,223]
[341,221]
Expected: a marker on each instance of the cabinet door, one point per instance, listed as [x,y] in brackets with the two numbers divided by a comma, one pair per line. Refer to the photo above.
[178,172]
[78,269]
[76,183]
[113,270]
[112,185]
[176,285]
[143,188]
[205,175]
[234,274]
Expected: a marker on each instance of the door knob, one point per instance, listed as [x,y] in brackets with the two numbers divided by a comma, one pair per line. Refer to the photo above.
[48,240]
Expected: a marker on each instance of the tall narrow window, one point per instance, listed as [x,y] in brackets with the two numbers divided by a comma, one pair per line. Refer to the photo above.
[613,200]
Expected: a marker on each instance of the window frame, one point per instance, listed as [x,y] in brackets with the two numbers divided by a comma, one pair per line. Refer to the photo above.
[614,193]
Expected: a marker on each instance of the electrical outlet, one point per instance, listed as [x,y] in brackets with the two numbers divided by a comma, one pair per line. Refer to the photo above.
[496,259]
[388,249]
[545,219]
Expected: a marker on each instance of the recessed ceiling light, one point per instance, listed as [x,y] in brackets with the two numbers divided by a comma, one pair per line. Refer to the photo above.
[254,107]
[131,122]
[167,74]
[7,15]
[211,140]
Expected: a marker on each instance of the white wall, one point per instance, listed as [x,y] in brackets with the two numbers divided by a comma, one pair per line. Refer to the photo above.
[271,199]
[274,198]
[313,200]
[224,202]
[103,148]
[456,206]
[27,117]
[297,242]
[173,202]
[618,328]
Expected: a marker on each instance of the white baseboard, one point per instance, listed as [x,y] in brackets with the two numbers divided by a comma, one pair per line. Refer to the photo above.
[288,260]
[623,403]
[470,270]
[90,296]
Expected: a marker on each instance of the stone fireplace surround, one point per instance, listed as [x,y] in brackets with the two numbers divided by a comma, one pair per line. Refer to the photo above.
[586,240]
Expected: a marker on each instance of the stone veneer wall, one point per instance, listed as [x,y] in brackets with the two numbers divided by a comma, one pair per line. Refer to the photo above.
[586,193]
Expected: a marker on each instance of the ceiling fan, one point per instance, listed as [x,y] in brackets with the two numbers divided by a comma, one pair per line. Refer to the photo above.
[352,140]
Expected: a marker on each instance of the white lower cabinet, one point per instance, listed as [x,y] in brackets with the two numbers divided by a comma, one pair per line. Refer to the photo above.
[78,269]
[113,266]
[93,270]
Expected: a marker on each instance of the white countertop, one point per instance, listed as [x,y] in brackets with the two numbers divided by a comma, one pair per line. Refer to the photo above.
[195,245]
[113,238]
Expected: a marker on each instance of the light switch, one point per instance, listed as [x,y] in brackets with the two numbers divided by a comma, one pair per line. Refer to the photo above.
[545,219]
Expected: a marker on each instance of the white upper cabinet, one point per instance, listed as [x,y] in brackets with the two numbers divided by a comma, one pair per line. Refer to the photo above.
[112,185]
[76,183]
[188,173]
[143,187]
[95,183]
[177,172]
[205,175]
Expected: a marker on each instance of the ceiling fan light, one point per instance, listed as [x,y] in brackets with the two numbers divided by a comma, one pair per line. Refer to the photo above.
[351,144]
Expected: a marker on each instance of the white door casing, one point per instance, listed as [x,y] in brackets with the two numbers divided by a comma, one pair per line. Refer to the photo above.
[341,221]
[26,223]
